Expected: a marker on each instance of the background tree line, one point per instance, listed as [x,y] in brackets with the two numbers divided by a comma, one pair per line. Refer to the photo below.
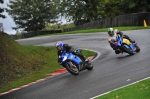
[33,15]
[2,10]
[2,16]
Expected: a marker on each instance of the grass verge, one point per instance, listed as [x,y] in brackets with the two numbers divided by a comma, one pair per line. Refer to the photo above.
[140,90]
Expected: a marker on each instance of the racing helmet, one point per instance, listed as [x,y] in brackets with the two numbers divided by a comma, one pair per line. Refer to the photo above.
[111,32]
[59,45]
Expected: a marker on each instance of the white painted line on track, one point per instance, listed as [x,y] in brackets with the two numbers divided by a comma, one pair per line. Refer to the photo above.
[119,88]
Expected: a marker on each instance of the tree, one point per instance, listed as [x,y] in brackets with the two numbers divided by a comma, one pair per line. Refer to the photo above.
[1,27]
[83,11]
[2,10]
[32,15]
[135,6]
[79,11]
[109,8]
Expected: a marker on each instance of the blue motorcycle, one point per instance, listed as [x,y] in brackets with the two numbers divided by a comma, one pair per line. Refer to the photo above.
[124,45]
[73,63]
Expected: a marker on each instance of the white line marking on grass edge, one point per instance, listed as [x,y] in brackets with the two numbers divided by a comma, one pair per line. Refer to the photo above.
[119,88]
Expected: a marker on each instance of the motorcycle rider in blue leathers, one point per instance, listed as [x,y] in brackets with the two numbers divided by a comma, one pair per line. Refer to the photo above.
[69,49]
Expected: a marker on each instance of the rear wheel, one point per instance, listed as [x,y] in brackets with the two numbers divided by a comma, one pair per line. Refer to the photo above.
[72,68]
[137,49]
[89,65]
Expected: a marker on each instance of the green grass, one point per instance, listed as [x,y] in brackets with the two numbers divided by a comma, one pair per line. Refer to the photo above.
[139,90]
[21,65]
[121,28]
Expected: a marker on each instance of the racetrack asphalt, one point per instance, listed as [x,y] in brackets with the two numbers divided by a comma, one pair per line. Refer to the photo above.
[110,71]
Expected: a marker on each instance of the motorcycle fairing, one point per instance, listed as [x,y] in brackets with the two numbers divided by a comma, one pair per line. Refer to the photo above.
[126,42]
[71,57]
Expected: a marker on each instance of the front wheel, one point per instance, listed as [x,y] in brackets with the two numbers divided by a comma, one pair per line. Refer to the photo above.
[72,68]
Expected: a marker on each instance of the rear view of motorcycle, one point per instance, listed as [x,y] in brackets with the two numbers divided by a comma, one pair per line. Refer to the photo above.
[74,64]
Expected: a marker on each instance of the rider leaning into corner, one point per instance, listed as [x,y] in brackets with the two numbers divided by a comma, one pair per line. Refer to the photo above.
[112,37]
[65,47]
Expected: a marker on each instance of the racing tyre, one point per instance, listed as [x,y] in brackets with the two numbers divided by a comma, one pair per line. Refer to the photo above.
[137,49]
[72,68]
[89,65]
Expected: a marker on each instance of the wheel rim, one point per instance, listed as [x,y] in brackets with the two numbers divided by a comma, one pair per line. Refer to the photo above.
[74,67]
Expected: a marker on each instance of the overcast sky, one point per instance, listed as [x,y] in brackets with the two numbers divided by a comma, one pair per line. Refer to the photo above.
[8,22]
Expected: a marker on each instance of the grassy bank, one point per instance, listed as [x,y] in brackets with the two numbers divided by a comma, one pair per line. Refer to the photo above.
[21,65]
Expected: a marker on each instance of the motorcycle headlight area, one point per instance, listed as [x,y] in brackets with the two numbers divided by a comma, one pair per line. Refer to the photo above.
[64,59]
